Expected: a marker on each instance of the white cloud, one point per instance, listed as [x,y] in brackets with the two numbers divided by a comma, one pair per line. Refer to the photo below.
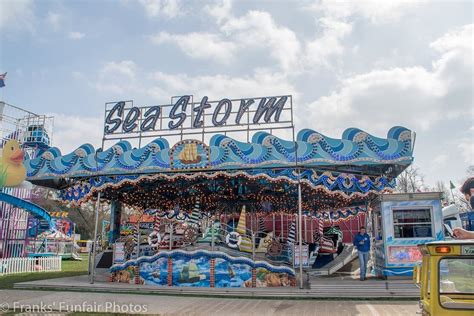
[322,50]
[258,29]
[117,77]
[17,15]
[220,11]
[199,45]
[459,39]
[436,102]
[168,8]
[75,35]
[335,21]
[220,86]
[414,95]
[255,29]
[374,10]
[71,131]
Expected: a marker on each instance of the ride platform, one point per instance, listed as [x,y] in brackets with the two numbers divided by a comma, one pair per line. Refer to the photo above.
[318,288]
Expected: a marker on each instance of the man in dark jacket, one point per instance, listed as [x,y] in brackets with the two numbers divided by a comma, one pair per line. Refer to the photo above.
[468,190]
[362,243]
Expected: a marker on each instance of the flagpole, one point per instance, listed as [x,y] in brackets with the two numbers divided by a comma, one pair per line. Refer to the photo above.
[451,187]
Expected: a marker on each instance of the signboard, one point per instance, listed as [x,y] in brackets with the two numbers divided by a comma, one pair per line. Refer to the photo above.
[119,252]
[467,250]
[296,255]
[404,254]
[59,214]
[183,116]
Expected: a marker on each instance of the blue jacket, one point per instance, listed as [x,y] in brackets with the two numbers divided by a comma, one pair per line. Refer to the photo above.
[362,242]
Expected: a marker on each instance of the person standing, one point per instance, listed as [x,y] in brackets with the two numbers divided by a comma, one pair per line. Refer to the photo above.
[468,190]
[362,243]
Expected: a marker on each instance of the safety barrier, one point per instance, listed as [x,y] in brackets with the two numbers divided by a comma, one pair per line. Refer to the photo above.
[23,265]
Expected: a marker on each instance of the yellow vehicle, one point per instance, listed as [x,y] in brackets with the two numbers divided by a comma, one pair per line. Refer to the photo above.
[446,278]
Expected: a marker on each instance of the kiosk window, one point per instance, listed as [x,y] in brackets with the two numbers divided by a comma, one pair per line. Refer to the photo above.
[412,223]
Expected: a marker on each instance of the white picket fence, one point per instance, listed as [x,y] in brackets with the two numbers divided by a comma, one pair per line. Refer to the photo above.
[22,265]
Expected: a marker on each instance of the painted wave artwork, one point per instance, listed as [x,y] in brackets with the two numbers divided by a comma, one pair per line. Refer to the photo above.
[195,271]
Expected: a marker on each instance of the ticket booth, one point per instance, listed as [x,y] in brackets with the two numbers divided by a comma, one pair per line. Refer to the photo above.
[400,223]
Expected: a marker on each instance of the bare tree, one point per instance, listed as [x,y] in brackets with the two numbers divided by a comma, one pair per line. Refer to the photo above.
[83,216]
[454,195]
[410,180]
[447,195]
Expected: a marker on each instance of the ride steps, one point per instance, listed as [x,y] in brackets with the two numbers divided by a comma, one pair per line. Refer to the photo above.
[340,289]
[373,288]
[347,255]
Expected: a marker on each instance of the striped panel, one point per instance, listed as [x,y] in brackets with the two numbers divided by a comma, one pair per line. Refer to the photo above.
[242,225]
[292,233]
[246,244]
[261,225]
[195,215]
[320,226]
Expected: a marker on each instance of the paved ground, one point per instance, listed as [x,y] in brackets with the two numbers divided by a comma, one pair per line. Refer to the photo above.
[329,287]
[44,301]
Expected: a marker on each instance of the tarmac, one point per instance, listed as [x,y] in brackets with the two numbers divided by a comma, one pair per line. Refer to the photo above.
[62,303]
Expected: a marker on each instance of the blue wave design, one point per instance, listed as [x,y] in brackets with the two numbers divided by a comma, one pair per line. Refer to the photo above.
[203,253]
[355,148]
[398,272]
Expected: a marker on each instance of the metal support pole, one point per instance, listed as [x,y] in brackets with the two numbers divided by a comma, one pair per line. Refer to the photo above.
[305,228]
[94,245]
[171,237]
[253,246]
[212,236]
[273,225]
[281,227]
[300,234]
[138,238]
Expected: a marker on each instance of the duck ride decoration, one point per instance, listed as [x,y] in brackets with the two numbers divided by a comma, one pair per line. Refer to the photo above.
[12,170]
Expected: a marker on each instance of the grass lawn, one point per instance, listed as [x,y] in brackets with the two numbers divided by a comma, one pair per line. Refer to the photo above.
[68,268]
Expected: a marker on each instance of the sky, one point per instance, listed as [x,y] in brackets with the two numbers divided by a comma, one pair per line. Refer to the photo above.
[367,64]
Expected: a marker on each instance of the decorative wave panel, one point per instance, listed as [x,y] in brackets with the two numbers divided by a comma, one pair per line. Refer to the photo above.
[202,268]
[311,149]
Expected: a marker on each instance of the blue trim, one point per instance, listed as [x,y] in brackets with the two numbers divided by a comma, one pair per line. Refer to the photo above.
[397,272]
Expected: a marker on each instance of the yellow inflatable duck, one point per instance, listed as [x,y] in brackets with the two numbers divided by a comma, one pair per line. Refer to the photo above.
[12,162]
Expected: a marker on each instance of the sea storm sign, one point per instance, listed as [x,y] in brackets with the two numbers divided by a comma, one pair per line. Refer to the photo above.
[183,116]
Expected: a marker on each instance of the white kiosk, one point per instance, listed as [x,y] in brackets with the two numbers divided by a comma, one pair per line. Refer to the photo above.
[400,222]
